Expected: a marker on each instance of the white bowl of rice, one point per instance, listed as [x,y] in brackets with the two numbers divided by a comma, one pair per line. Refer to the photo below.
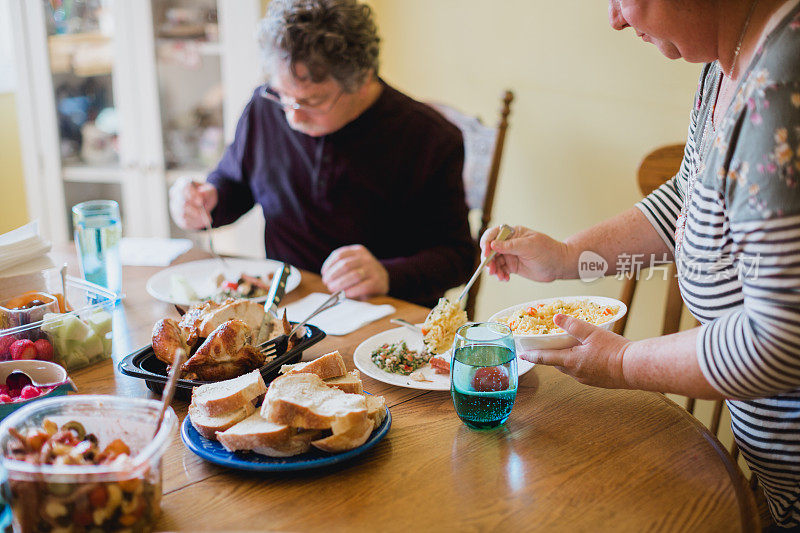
[532,322]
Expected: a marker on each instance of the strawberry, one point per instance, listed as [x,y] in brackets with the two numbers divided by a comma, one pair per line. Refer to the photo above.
[44,350]
[5,398]
[29,392]
[5,343]
[22,349]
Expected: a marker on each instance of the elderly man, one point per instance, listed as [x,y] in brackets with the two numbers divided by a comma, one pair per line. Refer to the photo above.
[356,180]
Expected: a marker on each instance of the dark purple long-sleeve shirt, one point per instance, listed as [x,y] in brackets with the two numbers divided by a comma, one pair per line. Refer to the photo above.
[389,180]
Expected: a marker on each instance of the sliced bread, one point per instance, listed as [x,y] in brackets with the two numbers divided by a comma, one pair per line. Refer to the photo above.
[353,437]
[215,399]
[208,426]
[305,401]
[350,382]
[330,365]
[376,409]
[259,435]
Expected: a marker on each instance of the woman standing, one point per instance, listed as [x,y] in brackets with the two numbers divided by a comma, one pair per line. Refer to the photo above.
[730,219]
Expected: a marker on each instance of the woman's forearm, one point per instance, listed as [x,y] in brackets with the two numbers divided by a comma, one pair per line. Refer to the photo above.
[627,233]
[667,364]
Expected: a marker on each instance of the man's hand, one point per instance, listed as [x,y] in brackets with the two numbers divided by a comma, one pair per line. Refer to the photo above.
[355,270]
[190,203]
[596,361]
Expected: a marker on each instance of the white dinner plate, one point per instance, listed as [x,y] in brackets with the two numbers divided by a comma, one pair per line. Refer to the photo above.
[363,361]
[200,276]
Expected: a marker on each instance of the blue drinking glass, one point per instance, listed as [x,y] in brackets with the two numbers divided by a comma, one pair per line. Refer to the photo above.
[483,374]
[98,229]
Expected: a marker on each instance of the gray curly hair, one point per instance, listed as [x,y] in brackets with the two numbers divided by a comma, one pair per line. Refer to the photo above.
[336,38]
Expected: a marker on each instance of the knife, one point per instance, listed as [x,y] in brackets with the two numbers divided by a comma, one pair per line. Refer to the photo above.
[277,291]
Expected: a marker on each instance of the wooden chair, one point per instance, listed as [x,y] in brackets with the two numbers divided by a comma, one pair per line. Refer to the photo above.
[483,150]
[657,167]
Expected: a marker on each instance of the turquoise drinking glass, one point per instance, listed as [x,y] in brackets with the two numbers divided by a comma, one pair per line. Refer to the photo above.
[483,374]
[98,229]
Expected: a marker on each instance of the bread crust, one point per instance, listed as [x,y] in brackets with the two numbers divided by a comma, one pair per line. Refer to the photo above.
[305,401]
[209,426]
[212,400]
[330,365]
[350,382]
[353,437]
[261,436]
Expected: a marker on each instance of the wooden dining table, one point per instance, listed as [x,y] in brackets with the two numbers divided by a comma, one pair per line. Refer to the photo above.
[569,458]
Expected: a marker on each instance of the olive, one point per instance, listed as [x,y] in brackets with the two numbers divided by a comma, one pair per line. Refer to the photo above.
[60,489]
[76,427]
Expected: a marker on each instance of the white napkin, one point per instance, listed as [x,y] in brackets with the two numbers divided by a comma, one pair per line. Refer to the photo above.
[136,251]
[22,245]
[342,319]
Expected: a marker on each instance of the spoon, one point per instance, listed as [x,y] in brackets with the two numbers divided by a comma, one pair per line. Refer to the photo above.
[169,388]
[19,374]
[64,287]
[505,232]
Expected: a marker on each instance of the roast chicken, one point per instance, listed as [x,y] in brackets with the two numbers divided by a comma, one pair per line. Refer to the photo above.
[227,352]
[221,339]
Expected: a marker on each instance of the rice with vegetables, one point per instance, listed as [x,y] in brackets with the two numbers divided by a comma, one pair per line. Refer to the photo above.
[538,319]
[439,329]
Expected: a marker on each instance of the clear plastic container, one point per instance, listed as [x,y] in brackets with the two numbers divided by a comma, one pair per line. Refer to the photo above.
[77,338]
[88,498]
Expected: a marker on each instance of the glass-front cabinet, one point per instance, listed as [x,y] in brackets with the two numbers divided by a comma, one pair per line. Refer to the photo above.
[121,97]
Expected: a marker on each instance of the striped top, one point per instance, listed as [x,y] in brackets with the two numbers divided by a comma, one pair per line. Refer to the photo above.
[738,255]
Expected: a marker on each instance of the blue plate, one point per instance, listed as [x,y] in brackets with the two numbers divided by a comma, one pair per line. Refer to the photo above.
[213,452]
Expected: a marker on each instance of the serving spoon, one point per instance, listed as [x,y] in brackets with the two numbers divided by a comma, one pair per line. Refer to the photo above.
[505,232]
[169,388]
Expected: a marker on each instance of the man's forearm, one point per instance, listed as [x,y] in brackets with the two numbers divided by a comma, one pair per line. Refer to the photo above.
[667,364]
[627,233]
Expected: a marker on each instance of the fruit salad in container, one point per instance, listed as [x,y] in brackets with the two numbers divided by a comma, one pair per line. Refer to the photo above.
[85,463]
[17,383]
[72,329]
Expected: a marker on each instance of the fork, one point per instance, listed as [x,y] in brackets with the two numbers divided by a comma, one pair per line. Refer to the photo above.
[210,239]
[280,344]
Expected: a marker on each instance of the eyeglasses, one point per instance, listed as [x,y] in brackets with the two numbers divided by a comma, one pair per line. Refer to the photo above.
[290,103]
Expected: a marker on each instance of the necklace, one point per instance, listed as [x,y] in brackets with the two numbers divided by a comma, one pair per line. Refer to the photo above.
[709,131]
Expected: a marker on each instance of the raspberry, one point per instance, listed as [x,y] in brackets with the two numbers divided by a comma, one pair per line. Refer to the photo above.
[23,349]
[44,350]
[29,392]
[5,398]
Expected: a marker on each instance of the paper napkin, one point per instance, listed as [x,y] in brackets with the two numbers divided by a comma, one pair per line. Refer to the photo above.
[21,246]
[136,251]
[342,319]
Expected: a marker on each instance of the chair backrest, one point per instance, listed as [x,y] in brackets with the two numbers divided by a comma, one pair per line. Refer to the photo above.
[483,151]
[656,168]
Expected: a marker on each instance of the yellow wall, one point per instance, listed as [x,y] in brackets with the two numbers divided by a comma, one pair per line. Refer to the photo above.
[590,102]
[12,186]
